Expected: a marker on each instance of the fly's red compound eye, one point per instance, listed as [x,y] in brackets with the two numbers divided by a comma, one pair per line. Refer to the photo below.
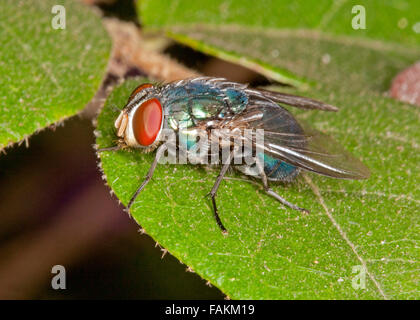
[140,88]
[147,121]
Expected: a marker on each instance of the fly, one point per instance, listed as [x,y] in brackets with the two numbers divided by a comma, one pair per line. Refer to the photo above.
[213,103]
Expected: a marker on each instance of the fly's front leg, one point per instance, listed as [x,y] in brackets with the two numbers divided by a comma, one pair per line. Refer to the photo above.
[214,191]
[114,148]
[273,193]
[149,175]
[119,146]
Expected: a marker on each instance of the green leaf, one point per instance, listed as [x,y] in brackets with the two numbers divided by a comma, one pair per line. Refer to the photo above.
[297,43]
[390,21]
[47,74]
[356,228]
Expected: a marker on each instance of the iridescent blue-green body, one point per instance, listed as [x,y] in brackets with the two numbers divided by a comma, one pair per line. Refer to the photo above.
[189,104]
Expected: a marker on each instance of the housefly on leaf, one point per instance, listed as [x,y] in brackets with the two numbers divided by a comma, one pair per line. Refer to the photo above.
[208,105]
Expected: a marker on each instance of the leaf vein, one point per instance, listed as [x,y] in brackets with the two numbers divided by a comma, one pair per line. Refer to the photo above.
[343,234]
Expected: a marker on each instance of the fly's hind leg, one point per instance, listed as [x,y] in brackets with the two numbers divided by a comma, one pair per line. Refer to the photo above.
[213,192]
[149,175]
[274,194]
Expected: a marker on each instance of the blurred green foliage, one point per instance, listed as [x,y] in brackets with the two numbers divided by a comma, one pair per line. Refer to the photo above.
[47,74]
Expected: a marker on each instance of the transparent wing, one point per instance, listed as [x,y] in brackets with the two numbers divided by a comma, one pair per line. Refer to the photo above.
[292,100]
[298,144]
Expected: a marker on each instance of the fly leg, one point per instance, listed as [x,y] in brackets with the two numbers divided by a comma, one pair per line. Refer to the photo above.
[274,194]
[214,191]
[114,148]
[149,175]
